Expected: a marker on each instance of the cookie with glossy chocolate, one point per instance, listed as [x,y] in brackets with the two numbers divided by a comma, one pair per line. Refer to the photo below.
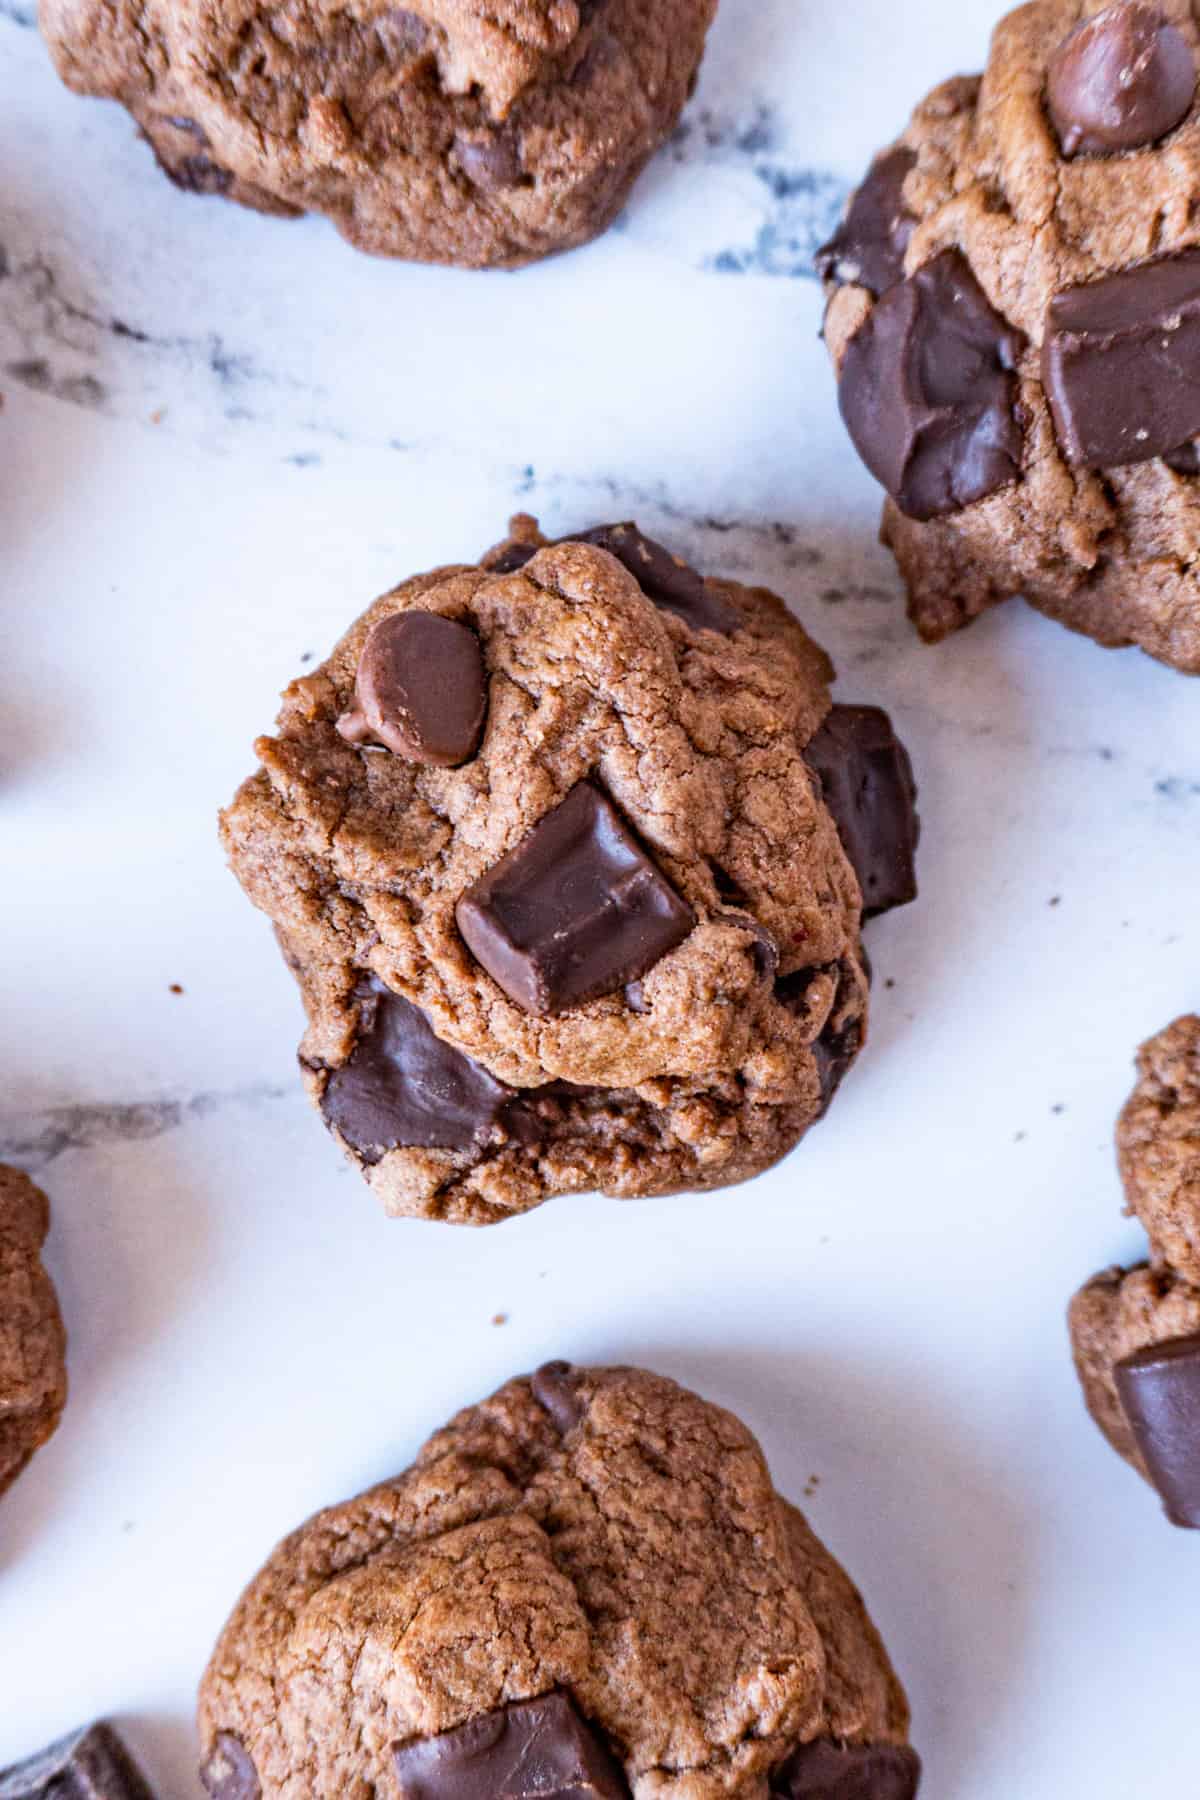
[448,131]
[33,1344]
[1136,1334]
[570,852]
[1014,315]
[585,1588]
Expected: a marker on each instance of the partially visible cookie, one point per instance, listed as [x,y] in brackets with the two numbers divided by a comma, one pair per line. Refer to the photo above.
[449,131]
[33,1344]
[1135,1334]
[589,1578]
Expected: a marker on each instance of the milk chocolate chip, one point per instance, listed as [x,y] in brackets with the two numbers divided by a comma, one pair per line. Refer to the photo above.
[420,689]
[1121,80]
[928,391]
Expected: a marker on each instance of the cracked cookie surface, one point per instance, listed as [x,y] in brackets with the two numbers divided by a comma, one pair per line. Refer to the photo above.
[445,131]
[1059,491]
[598,1534]
[478,1042]
[33,1345]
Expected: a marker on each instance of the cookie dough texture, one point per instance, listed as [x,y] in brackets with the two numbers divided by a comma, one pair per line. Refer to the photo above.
[621,1542]
[1111,552]
[33,1344]
[1119,1313]
[447,131]
[713,1064]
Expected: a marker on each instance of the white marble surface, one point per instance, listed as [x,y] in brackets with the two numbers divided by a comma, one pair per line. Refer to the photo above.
[221,436]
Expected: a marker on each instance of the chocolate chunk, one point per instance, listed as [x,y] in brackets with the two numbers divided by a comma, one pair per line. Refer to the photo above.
[555,1388]
[404,1088]
[512,558]
[491,162]
[824,1770]
[867,784]
[1122,79]
[662,577]
[1121,363]
[1160,1392]
[840,1041]
[197,174]
[421,689]
[868,246]
[229,1772]
[1185,459]
[928,391]
[91,1764]
[576,910]
[533,1750]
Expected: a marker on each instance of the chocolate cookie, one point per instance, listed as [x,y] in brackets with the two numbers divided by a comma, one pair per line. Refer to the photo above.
[1014,314]
[551,844]
[1136,1334]
[33,1344]
[585,1586]
[447,131]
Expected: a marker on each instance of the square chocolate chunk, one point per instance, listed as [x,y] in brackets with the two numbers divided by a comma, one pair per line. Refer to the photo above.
[576,910]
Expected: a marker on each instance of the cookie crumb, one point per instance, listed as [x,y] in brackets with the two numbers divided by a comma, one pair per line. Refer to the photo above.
[499,1318]
[174,988]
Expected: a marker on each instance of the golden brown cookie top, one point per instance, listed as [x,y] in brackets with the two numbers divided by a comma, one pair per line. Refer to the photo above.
[1158,1144]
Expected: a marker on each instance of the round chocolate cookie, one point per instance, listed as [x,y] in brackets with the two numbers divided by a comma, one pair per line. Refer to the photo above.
[1136,1334]
[447,131]
[33,1344]
[551,844]
[1014,314]
[585,1586]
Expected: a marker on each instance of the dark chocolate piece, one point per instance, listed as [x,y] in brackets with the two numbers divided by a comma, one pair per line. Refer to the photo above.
[421,689]
[556,1389]
[928,391]
[574,911]
[404,1088]
[229,1772]
[825,1770]
[90,1764]
[492,162]
[839,1044]
[663,578]
[867,784]
[1121,363]
[512,558]
[1185,458]
[1159,1388]
[1121,80]
[868,246]
[533,1750]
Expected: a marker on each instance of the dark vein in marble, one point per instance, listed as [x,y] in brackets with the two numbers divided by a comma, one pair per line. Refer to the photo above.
[13,13]
[36,1143]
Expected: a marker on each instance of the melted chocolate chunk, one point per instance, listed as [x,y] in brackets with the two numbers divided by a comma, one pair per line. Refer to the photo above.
[421,689]
[403,1088]
[825,1770]
[663,578]
[534,1750]
[229,1772]
[1121,80]
[868,246]
[867,784]
[928,391]
[91,1764]
[576,910]
[1159,1388]
[492,162]
[1121,363]
[556,1389]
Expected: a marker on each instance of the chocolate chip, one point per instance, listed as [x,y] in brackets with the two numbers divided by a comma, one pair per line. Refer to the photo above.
[555,1388]
[90,1764]
[197,174]
[840,1040]
[928,391]
[512,558]
[1122,79]
[1121,363]
[404,1088]
[576,910]
[662,577]
[229,1772]
[421,689]
[492,161]
[533,1750]
[1185,460]
[825,1770]
[867,784]
[868,246]
[1159,1389]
